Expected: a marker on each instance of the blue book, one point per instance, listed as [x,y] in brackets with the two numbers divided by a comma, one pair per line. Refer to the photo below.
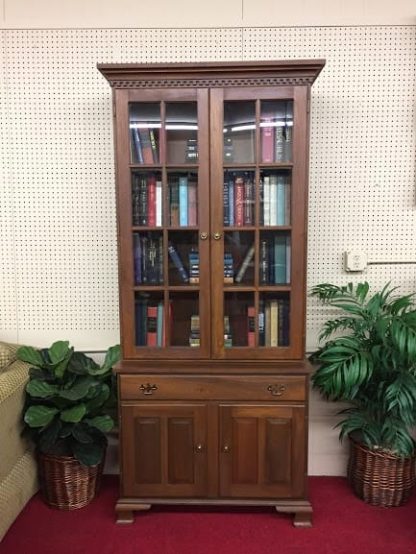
[226,204]
[231,202]
[280,249]
[159,325]
[183,201]
[174,256]
[137,145]
[137,255]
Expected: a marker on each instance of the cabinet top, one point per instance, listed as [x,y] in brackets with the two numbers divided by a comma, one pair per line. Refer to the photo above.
[212,74]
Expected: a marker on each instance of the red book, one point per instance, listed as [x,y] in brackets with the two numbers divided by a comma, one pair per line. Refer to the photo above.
[151,326]
[251,324]
[151,201]
[239,201]
[267,141]
[192,203]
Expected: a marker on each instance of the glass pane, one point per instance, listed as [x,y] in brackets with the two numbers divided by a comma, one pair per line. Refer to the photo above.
[184,319]
[239,132]
[183,258]
[149,316]
[239,257]
[274,322]
[238,319]
[183,199]
[276,124]
[181,132]
[275,197]
[274,258]
[146,199]
[239,198]
[148,258]
[144,124]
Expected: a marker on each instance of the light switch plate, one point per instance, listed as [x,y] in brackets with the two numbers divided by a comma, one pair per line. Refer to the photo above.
[355,260]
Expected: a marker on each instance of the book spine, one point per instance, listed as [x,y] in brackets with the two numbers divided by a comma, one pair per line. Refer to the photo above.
[143,202]
[239,201]
[261,324]
[267,328]
[288,142]
[158,203]
[280,249]
[151,201]
[244,265]
[266,200]
[159,323]
[160,260]
[231,202]
[264,263]
[273,200]
[226,203]
[194,267]
[274,312]
[154,146]
[152,262]
[287,204]
[137,256]
[145,257]
[151,326]
[280,200]
[288,259]
[267,141]
[138,157]
[251,326]
[177,262]
[174,203]
[183,201]
[249,202]
[192,203]
[135,202]
[279,140]
[146,146]
[139,317]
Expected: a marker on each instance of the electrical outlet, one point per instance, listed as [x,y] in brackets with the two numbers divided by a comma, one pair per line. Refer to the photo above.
[355,260]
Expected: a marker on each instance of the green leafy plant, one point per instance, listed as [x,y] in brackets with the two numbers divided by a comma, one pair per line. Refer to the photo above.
[69,401]
[370,362]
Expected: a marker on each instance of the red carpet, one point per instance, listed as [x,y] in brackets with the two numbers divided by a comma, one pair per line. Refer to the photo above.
[342,524]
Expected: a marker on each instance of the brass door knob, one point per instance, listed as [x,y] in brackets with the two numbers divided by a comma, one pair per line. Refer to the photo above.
[226,448]
[203,236]
[217,236]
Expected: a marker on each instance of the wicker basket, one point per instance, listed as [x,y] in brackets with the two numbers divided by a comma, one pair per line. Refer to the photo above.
[65,483]
[380,478]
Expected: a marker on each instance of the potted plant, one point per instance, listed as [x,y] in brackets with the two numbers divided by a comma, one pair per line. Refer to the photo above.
[368,360]
[69,398]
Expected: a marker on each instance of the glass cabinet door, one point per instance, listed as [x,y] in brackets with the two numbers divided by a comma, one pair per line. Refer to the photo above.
[163,306]
[257,224]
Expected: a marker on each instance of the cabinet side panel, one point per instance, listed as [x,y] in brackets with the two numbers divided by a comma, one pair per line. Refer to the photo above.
[244,450]
[147,450]
[278,450]
[180,450]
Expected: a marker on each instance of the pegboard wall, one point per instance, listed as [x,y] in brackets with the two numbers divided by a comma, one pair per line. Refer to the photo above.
[58,257]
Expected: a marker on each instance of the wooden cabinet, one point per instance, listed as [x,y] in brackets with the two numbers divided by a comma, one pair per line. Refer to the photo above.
[211,170]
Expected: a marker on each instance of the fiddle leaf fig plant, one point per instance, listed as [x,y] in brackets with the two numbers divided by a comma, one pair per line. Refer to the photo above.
[368,359]
[70,401]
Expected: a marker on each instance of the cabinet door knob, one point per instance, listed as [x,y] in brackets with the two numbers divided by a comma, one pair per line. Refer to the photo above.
[199,448]
[148,389]
[226,448]
[217,236]
[276,390]
[203,236]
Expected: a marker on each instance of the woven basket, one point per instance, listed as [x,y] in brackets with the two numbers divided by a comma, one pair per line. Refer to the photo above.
[65,483]
[380,478]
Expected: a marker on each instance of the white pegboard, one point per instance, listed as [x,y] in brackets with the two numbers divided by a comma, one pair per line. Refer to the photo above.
[58,265]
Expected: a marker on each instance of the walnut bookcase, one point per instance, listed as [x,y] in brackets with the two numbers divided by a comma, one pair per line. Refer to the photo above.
[212,172]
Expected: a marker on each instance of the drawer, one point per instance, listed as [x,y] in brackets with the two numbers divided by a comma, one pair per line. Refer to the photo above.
[208,387]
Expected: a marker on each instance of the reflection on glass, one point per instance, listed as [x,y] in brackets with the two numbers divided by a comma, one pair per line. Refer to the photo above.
[239,258]
[181,132]
[148,258]
[274,320]
[274,258]
[275,197]
[149,318]
[183,258]
[239,132]
[276,125]
[146,199]
[183,199]
[239,324]
[184,319]
[144,125]
[239,198]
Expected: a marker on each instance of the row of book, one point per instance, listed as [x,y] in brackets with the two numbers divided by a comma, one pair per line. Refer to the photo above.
[275,260]
[147,200]
[150,328]
[276,140]
[183,201]
[148,259]
[239,200]
[275,192]
[274,324]
[144,144]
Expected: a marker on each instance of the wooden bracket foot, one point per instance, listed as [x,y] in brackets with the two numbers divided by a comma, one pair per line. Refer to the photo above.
[302,511]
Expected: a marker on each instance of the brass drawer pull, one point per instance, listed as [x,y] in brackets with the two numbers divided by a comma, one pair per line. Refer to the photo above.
[148,389]
[276,390]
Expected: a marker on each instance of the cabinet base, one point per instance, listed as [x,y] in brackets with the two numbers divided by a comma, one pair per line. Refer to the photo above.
[301,509]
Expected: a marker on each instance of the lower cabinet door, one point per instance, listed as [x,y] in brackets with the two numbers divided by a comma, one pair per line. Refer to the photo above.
[164,450]
[262,451]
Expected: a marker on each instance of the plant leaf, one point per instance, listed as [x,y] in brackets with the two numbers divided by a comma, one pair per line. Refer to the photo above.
[79,389]
[104,423]
[39,415]
[30,355]
[88,454]
[74,414]
[41,389]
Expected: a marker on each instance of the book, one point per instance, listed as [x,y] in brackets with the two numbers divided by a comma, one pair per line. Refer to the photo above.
[251,326]
[194,337]
[192,203]
[183,201]
[279,142]
[281,190]
[274,316]
[146,146]
[267,139]
[273,200]
[228,340]
[137,259]
[174,203]
[244,264]
[154,146]
[191,154]
[151,326]
[193,266]
[143,202]
[160,325]
[226,203]
[288,141]
[261,324]
[141,320]
[159,209]
[264,262]
[177,262]
[280,254]
[231,202]
[151,201]
[266,200]
[228,268]
[239,201]
[135,201]
[137,148]
[249,202]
